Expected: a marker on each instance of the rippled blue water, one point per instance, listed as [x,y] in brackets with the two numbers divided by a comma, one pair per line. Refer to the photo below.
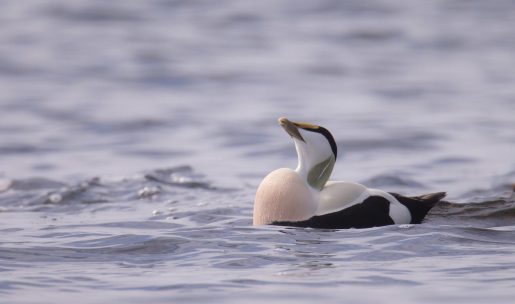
[134,134]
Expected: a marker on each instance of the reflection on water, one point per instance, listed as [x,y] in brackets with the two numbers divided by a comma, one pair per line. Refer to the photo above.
[134,134]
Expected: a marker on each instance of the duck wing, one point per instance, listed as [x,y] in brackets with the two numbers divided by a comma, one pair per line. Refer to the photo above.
[372,212]
[349,205]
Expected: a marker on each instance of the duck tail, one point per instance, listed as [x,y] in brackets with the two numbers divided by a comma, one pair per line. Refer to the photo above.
[420,205]
[431,197]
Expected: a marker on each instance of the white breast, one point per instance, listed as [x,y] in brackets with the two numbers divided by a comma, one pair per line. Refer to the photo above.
[283,196]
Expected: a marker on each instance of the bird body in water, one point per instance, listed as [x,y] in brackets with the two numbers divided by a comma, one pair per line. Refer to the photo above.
[305,197]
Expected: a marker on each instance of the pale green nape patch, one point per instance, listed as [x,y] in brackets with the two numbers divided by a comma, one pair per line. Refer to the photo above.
[320,173]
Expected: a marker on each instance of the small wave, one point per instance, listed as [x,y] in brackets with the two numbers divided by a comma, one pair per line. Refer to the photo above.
[92,13]
[412,141]
[392,181]
[182,176]
[454,160]
[137,249]
[37,194]
[491,213]
[36,183]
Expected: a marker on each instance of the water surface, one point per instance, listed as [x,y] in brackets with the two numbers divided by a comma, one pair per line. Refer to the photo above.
[133,137]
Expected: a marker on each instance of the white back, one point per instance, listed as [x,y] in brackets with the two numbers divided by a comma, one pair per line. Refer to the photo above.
[337,196]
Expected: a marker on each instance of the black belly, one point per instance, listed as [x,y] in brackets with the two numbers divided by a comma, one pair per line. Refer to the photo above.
[372,212]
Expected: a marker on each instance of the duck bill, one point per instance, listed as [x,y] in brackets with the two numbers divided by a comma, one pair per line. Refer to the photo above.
[290,128]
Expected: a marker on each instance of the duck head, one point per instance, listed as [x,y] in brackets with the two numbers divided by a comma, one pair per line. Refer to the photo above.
[316,150]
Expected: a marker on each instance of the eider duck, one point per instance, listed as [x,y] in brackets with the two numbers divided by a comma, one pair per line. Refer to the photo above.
[305,198]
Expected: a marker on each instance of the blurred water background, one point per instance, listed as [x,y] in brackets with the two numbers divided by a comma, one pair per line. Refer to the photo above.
[133,135]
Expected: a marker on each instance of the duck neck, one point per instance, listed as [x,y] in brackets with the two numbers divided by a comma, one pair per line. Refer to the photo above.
[315,173]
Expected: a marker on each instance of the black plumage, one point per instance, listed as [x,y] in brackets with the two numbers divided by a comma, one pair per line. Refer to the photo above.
[372,212]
